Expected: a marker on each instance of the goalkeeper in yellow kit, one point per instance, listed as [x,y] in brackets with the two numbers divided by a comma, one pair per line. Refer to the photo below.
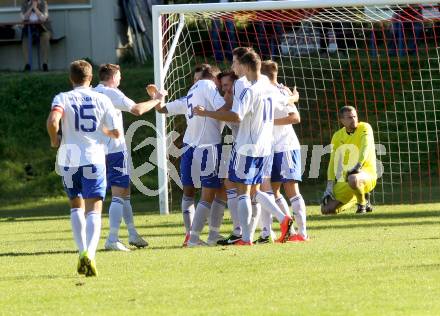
[351,173]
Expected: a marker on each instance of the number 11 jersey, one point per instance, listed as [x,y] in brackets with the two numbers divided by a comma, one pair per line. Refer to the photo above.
[255,107]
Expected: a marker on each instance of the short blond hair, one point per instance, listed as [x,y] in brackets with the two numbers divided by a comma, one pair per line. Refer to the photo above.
[80,72]
[270,69]
[251,60]
[107,71]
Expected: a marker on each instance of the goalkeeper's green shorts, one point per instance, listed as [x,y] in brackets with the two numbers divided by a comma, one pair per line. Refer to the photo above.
[344,194]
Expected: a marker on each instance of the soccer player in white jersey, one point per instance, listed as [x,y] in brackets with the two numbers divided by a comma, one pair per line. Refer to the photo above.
[253,145]
[286,167]
[226,81]
[231,190]
[87,120]
[201,158]
[117,160]
[239,85]
[187,203]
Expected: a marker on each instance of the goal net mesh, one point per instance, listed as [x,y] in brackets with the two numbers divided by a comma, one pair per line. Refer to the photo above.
[383,60]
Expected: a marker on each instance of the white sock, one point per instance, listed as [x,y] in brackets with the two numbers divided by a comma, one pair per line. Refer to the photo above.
[266,223]
[245,214]
[255,219]
[232,205]
[188,211]
[93,232]
[200,217]
[299,212]
[115,217]
[217,211]
[268,203]
[78,222]
[282,204]
[128,217]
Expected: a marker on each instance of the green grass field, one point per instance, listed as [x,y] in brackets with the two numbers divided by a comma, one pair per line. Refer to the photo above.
[384,263]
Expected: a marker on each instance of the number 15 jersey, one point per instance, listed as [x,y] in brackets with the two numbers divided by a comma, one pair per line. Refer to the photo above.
[85,112]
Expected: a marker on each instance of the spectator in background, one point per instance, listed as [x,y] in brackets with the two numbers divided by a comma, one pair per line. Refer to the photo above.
[222,45]
[35,12]
[340,32]
[267,37]
[406,29]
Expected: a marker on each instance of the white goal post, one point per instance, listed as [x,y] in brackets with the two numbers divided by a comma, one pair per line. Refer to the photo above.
[391,82]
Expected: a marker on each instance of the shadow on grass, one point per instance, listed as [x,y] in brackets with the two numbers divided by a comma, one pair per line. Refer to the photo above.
[36,277]
[38,232]
[32,219]
[165,247]
[342,216]
[424,267]
[38,253]
[57,209]
[43,253]
[64,252]
[372,225]
[175,224]
[37,240]
[60,209]
[375,216]
[163,225]
[427,238]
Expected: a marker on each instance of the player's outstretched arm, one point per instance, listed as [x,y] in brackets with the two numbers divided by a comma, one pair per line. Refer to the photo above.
[152,90]
[225,116]
[155,94]
[161,109]
[143,107]
[225,108]
[113,133]
[294,96]
[292,118]
[228,102]
[53,126]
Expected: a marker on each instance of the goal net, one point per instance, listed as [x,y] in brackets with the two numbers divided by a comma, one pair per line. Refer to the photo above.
[382,57]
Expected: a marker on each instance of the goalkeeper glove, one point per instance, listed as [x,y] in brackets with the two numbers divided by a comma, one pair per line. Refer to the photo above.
[356,169]
[328,193]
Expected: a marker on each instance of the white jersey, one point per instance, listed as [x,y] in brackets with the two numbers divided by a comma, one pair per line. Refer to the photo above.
[239,85]
[200,130]
[121,103]
[255,109]
[85,112]
[285,138]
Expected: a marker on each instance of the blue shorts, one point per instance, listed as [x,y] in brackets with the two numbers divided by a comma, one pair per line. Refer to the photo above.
[85,181]
[199,166]
[247,169]
[117,169]
[286,166]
